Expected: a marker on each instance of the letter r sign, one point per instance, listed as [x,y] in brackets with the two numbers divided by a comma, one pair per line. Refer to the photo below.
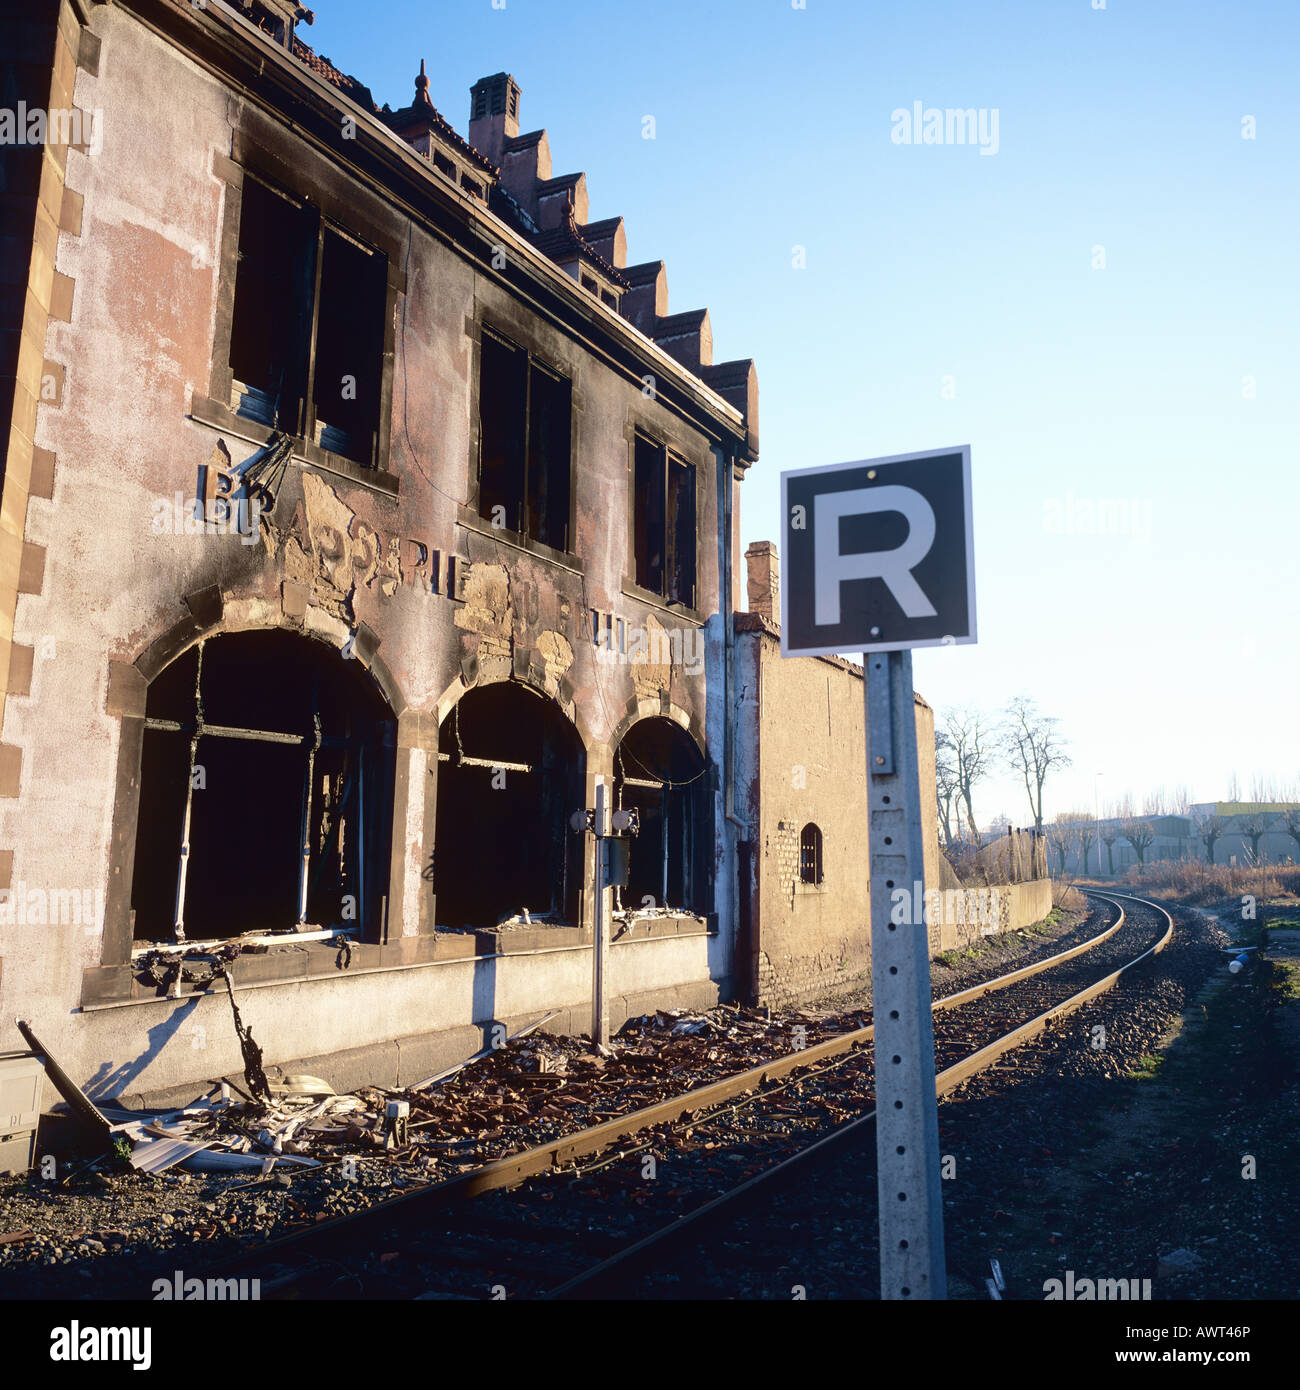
[879,555]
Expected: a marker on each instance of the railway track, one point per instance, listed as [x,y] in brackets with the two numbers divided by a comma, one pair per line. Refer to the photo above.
[588,1214]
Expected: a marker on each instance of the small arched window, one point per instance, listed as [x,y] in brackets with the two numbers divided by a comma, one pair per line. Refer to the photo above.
[810,854]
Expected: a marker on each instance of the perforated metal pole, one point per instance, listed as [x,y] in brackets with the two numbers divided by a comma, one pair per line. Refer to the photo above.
[907,1122]
[600,931]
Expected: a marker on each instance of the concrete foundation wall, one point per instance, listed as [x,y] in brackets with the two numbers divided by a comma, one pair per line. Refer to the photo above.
[338,1027]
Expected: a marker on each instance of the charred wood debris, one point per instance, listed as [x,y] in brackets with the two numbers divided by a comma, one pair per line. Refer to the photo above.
[256,1144]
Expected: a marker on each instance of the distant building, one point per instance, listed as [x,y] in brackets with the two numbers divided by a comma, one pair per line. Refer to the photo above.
[1176,837]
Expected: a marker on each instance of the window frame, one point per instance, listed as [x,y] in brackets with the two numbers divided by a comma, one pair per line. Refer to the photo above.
[360,219]
[532,362]
[299,414]
[818,850]
[667,457]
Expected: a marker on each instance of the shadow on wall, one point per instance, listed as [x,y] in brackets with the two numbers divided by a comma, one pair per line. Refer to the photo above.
[109,1082]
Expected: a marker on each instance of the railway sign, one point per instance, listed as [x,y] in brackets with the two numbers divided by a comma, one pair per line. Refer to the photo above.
[879,555]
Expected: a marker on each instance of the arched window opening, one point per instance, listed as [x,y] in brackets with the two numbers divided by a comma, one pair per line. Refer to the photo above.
[510,775]
[810,854]
[265,792]
[659,771]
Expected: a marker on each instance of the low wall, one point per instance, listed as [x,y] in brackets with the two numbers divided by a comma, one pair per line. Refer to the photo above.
[969,913]
[387,1027]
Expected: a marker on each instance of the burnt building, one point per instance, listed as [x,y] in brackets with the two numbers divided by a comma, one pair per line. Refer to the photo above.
[363,509]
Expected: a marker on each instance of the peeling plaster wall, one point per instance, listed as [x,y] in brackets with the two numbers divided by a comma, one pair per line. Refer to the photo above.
[336,557]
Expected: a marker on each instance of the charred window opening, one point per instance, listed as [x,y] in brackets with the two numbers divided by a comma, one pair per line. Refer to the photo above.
[510,775]
[525,444]
[266,783]
[810,854]
[307,334]
[663,522]
[659,771]
[349,347]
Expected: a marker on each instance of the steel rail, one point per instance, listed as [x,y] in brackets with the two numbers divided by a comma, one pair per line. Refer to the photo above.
[557,1153]
[946,1080]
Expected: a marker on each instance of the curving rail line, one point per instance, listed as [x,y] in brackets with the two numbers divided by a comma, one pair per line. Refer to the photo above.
[751,1087]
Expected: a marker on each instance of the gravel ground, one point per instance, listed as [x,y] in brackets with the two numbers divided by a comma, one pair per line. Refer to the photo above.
[111,1232]
[1073,1159]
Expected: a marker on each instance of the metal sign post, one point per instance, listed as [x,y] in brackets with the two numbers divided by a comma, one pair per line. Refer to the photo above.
[600,938]
[879,557]
[907,1124]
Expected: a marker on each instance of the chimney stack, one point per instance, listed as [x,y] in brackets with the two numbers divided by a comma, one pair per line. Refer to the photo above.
[493,115]
[763,583]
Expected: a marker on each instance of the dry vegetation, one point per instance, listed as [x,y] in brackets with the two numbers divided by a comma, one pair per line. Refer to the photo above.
[1067,895]
[1186,880]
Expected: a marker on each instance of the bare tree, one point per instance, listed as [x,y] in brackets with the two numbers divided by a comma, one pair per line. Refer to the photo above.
[1085,836]
[1032,743]
[1254,827]
[1108,837]
[1060,836]
[946,786]
[1154,803]
[971,742]
[1181,801]
[1291,824]
[1208,829]
[1234,788]
[1139,834]
[1263,788]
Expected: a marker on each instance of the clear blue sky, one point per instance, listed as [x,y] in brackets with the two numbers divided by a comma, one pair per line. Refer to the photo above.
[1170,651]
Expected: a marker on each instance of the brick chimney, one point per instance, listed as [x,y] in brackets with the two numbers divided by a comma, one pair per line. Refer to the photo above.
[493,115]
[763,582]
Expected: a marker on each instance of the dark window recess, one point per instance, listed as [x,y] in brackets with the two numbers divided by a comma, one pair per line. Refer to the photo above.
[307,334]
[810,854]
[266,782]
[659,771]
[663,523]
[273,291]
[681,533]
[444,165]
[349,347]
[510,775]
[525,439]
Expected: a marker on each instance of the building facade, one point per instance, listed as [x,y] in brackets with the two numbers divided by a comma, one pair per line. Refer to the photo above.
[363,509]
[805,909]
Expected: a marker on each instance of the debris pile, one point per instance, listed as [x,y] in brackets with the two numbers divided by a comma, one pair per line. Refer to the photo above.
[532,1089]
